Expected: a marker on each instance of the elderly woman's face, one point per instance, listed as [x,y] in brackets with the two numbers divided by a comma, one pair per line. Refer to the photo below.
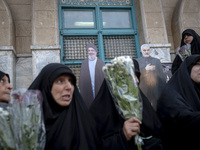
[5,89]
[195,73]
[188,39]
[63,89]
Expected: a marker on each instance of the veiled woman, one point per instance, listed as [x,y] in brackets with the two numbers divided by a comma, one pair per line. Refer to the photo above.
[5,89]
[118,134]
[69,126]
[189,36]
[179,107]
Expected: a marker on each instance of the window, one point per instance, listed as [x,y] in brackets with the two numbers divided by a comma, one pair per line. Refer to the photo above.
[112,29]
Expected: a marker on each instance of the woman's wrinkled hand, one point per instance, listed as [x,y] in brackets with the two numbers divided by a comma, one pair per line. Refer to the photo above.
[131,128]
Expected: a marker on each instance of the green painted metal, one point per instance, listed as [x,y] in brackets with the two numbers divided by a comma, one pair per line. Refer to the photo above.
[98,30]
[96,2]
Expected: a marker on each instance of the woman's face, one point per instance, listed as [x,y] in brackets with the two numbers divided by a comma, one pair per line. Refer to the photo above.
[63,89]
[5,89]
[195,73]
[188,39]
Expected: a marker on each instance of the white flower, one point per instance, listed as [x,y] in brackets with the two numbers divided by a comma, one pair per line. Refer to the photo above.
[1,109]
[27,109]
[21,125]
[104,68]
[5,113]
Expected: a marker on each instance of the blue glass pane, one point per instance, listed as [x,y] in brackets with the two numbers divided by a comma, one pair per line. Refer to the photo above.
[116,19]
[78,19]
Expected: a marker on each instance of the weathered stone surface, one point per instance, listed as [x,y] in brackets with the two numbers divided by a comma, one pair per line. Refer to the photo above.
[24,74]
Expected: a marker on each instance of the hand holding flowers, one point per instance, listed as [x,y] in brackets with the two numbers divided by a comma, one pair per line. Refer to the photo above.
[22,126]
[122,84]
[184,51]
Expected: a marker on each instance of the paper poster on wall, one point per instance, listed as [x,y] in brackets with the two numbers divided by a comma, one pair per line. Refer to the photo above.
[162,54]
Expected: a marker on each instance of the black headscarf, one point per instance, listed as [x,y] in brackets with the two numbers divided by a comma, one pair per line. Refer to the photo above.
[195,48]
[67,128]
[195,44]
[110,123]
[179,108]
[2,74]
[4,104]
[91,45]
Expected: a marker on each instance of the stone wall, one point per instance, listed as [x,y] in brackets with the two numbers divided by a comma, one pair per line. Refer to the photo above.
[7,62]
[168,9]
[29,34]
[45,35]
[21,11]
[28,38]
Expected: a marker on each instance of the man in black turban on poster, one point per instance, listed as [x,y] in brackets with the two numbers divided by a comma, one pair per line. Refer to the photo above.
[91,75]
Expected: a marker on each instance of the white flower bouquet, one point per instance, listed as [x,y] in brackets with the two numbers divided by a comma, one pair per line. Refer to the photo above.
[21,124]
[122,84]
[184,51]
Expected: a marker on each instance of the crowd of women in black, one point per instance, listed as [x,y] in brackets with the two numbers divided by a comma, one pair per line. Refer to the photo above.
[70,125]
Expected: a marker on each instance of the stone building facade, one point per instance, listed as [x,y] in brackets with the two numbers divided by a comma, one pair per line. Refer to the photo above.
[29,32]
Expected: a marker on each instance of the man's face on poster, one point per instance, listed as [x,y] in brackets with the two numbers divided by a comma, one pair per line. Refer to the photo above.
[146,51]
[92,54]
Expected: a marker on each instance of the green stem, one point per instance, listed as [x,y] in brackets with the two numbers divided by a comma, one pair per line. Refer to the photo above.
[139,146]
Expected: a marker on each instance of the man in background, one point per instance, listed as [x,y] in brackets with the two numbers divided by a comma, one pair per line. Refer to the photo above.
[91,75]
[152,79]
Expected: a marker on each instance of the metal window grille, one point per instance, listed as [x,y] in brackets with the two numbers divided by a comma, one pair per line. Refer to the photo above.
[76,70]
[119,45]
[75,47]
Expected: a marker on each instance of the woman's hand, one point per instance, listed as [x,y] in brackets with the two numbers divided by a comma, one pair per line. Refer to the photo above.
[131,127]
